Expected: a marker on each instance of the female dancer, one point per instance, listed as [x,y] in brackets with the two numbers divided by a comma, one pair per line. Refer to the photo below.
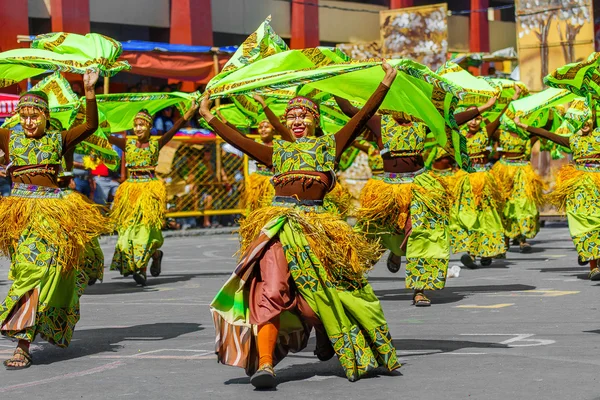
[43,233]
[139,206]
[261,314]
[521,187]
[477,198]
[578,189]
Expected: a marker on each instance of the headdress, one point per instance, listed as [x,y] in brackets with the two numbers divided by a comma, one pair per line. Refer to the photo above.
[34,99]
[145,115]
[304,103]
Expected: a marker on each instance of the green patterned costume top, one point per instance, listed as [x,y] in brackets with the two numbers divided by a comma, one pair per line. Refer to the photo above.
[46,150]
[142,157]
[586,147]
[477,143]
[315,154]
[514,143]
[402,140]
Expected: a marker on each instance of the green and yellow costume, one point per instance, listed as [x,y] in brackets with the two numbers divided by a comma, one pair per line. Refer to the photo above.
[521,188]
[578,193]
[394,204]
[138,210]
[327,262]
[44,234]
[477,201]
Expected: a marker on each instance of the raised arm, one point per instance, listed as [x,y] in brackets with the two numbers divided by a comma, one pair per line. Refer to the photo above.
[492,128]
[543,133]
[166,138]
[465,116]
[120,142]
[357,123]
[349,110]
[278,126]
[259,152]
[81,132]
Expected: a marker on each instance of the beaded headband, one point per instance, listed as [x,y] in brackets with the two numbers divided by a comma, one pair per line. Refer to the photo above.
[31,99]
[304,103]
[145,115]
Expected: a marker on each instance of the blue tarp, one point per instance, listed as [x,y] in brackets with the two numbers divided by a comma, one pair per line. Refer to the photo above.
[140,45]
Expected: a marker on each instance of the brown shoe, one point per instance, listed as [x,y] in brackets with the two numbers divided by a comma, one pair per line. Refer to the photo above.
[264,378]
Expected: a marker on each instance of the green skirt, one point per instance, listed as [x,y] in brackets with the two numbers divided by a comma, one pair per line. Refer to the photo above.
[479,230]
[348,308]
[396,204]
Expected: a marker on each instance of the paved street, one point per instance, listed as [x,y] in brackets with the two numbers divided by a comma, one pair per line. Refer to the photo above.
[523,328]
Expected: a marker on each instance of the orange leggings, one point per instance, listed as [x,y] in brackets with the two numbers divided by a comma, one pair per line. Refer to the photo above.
[267,339]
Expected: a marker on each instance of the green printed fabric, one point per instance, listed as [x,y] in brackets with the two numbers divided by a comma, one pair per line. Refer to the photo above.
[580,78]
[304,154]
[65,52]
[119,109]
[507,91]
[478,91]
[350,311]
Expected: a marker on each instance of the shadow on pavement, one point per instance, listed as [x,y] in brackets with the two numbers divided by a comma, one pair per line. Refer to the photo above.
[442,346]
[93,341]
[123,285]
[580,272]
[450,294]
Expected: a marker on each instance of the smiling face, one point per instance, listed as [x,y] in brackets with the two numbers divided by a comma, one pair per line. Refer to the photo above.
[33,121]
[475,124]
[300,122]
[141,129]
[265,131]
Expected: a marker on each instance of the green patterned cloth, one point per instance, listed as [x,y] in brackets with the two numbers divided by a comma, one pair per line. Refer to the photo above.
[305,154]
[580,78]
[28,151]
[350,311]
[65,52]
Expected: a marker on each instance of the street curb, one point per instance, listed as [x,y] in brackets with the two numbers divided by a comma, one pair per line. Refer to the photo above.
[182,233]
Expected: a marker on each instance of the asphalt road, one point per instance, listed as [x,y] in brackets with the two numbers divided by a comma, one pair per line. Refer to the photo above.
[523,328]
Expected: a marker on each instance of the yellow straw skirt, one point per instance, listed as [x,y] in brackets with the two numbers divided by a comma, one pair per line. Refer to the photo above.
[138,213]
[479,230]
[339,200]
[577,193]
[258,192]
[522,195]
[392,207]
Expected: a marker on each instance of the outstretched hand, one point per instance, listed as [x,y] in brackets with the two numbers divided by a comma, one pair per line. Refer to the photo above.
[191,111]
[517,92]
[90,78]
[519,123]
[489,104]
[260,100]
[390,73]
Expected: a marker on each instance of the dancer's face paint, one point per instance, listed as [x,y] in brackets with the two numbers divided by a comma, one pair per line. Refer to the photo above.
[265,130]
[141,129]
[300,122]
[33,121]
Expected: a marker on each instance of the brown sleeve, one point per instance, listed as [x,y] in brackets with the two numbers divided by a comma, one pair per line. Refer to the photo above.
[283,131]
[4,139]
[69,156]
[81,132]
[541,132]
[261,153]
[493,126]
[345,136]
[465,116]
[349,110]
[121,143]
[166,138]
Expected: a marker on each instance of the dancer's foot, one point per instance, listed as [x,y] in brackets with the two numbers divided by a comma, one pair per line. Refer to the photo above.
[264,378]
[486,261]
[468,261]
[581,262]
[525,247]
[140,278]
[394,263]
[156,266]
[420,300]
[21,359]
[595,274]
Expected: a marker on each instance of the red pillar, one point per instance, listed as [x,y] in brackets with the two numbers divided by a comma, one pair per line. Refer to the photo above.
[479,31]
[305,24]
[71,16]
[191,22]
[400,4]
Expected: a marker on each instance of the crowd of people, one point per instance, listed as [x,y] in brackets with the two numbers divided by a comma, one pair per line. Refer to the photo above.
[433,192]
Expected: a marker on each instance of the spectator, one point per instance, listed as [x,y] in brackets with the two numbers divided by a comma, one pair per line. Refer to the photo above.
[81,176]
[105,186]
[4,179]
[164,121]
